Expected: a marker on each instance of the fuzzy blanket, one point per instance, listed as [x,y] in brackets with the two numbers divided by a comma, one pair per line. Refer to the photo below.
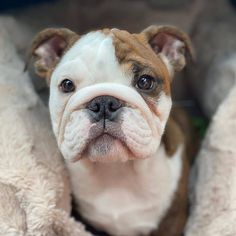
[34,185]
[214,193]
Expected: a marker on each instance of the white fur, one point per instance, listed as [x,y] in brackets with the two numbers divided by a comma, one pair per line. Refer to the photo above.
[128,198]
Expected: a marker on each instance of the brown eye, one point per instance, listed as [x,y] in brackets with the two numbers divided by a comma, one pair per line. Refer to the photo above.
[145,82]
[67,86]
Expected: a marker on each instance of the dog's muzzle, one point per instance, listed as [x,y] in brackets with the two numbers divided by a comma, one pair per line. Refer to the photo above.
[100,122]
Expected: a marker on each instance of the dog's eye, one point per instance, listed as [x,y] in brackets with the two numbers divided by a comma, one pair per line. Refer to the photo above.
[67,86]
[145,82]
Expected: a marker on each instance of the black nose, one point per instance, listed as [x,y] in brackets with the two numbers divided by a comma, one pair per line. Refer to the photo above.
[104,107]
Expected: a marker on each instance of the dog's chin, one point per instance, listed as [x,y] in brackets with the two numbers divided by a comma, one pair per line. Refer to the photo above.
[107,148]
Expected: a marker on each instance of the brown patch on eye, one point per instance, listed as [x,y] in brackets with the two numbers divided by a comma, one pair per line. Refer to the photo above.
[134,49]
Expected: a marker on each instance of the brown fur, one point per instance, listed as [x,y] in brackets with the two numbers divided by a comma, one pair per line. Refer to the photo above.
[190,135]
[134,49]
[174,221]
[153,30]
[173,136]
[178,130]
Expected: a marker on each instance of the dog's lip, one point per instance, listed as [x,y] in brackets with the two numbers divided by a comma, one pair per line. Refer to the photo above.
[104,133]
[82,154]
[100,136]
[114,138]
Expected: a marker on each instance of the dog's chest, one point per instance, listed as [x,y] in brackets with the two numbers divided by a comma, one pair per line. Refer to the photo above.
[126,198]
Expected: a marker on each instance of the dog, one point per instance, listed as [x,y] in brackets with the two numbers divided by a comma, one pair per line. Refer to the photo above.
[110,103]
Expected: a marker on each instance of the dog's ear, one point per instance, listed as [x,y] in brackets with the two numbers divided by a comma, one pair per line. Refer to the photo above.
[171,43]
[47,48]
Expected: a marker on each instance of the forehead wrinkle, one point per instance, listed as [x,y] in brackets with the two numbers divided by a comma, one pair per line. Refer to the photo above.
[106,66]
[106,60]
[132,40]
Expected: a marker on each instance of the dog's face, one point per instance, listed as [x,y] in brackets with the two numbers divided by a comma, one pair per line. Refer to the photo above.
[109,89]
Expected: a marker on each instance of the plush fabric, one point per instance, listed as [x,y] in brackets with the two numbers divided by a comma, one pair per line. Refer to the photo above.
[34,185]
[214,199]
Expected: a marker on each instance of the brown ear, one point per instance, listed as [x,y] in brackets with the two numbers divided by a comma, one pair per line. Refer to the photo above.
[47,48]
[169,41]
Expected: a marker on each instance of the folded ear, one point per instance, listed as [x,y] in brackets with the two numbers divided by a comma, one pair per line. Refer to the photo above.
[171,43]
[47,48]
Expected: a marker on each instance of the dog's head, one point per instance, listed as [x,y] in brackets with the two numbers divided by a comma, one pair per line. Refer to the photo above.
[109,89]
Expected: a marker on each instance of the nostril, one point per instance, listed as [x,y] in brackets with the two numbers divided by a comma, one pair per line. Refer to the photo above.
[94,106]
[113,106]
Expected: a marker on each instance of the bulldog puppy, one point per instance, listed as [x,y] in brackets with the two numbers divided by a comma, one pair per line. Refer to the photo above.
[110,101]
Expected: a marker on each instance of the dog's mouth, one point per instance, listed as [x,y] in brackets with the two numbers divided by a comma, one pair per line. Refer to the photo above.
[106,143]
[127,138]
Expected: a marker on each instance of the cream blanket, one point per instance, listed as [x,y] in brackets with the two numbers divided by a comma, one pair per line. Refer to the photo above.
[214,197]
[34,186]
